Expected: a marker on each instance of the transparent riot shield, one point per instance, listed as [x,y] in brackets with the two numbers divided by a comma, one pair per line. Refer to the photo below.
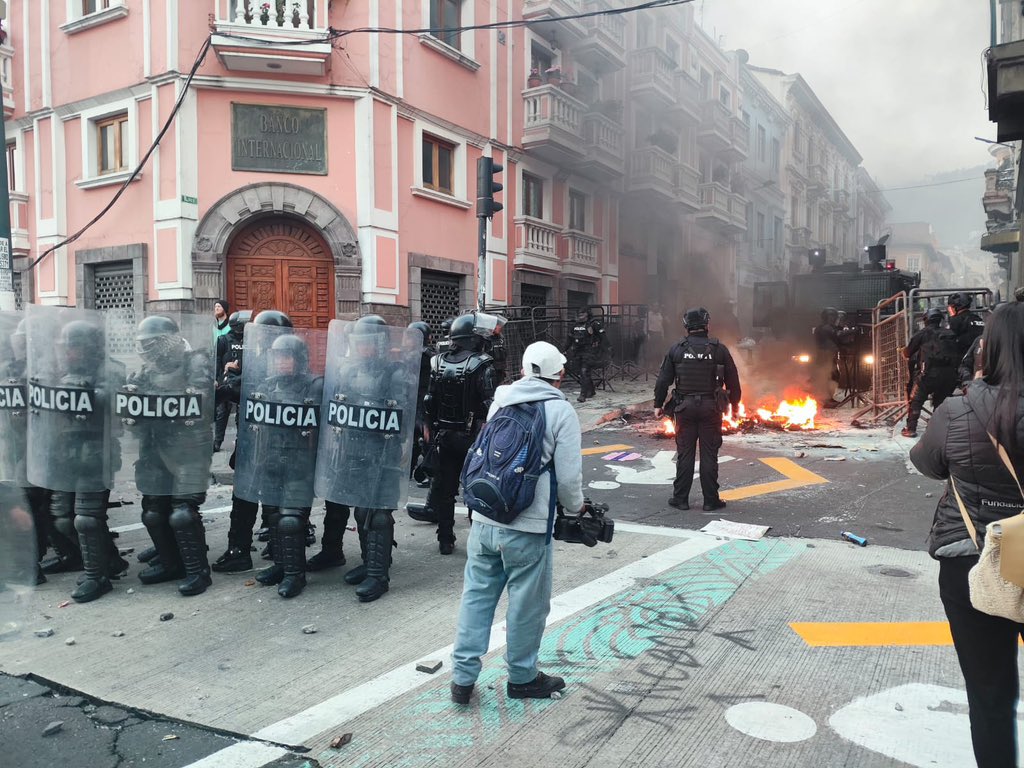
[369,413]
[13,397]
[17,561]
[279,415]
[71,381]
[163,412]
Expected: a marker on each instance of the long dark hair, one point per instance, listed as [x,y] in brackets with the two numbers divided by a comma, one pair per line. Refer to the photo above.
[1003,366]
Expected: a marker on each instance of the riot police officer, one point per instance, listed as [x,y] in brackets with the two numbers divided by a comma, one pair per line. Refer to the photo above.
[587,347]
[418,438]
[459,394]
[228,370]
[965,324]
[937,353]
[829,340]
[166,409]
[71,449]
[277,447]
[369,411]
[706,385]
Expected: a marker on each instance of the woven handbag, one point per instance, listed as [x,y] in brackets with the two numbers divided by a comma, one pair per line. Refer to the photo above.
[997,581]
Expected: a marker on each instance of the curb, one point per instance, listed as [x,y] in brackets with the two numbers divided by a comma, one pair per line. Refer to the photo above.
[618,413]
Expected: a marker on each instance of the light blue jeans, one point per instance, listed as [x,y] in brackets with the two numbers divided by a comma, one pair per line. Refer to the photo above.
[498,557]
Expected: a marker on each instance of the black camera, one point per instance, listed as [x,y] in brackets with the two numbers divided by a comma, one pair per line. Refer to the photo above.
[588,527]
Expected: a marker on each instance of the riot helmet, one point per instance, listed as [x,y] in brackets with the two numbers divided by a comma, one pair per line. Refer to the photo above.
[829,315]
[369,337]
[696,319]
[583,314]
[959,301]
[159,342]
[933,317]
[446,327]
[273,317]
[423,328]
[80,347]
[289,356]
[463,333]
[19,341]
[238,319]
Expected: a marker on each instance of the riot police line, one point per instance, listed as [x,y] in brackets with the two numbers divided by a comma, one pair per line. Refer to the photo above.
[88,404]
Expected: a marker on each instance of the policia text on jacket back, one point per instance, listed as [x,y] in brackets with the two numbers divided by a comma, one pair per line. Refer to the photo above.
[706,384]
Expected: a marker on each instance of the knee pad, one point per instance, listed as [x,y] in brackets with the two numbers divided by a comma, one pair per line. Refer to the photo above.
[292,522]
[380,520]
[62,504]
[183,516]
[86,524]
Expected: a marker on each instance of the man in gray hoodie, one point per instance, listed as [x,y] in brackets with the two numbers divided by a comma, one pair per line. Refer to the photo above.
[519,555]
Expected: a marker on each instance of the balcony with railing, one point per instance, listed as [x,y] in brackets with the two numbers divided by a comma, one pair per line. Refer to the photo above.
[738,211]
[537,243]
[688,100]
[688,179]
[739,140]
[652,78]
[273,36]
[604,47]
[553,124]
[840,199]
[817,179]
[715,210]
[715,132]
[6,78]
[799,237]
[603,142]
[19,222]
[581,252]
[565,30]
[652,173]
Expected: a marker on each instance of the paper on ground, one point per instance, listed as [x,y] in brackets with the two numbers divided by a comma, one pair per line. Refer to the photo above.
[736,530]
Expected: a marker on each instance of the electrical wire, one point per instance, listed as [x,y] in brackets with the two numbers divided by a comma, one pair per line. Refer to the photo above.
[138,168]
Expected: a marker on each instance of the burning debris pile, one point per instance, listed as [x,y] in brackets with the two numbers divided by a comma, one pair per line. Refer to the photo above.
[795,415]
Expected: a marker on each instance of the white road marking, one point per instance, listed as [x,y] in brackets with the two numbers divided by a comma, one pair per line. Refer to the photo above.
[768,721]
[245,754]
[340,709]
[662,471]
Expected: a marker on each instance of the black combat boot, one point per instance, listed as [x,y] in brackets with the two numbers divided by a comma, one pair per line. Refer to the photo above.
[167,565]
[268,577]
[357,574]
[238,556]
[65,542]
[191,538]
[95,542]
[379,540]
[331,554]
[146,555]
[291,555]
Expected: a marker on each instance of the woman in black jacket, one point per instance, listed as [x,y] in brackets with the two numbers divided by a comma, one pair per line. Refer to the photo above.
[957,446]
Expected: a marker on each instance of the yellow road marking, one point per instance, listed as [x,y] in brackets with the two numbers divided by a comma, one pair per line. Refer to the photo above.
[865,634]
[605,449]
[796,477]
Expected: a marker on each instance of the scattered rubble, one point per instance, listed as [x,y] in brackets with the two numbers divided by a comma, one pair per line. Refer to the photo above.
[340,741]
[309,629]
[69,641]
[53,728]
[117,633]
[166,616]
[430,667]
[44,632]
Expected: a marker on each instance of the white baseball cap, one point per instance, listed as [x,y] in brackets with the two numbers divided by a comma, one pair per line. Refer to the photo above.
[543,360]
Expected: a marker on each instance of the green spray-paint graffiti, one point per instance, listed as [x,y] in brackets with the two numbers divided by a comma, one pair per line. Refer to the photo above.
[597,640]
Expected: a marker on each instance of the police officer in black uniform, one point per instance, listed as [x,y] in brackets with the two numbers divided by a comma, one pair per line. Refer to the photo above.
[173,466]
[237,558]
[418,438]
[706,385]
[459,394]
[963,322]
[829,340]
[229,351]
[937,353]
[587,349]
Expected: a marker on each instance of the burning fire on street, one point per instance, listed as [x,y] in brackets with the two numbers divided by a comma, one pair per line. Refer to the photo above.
[794,415]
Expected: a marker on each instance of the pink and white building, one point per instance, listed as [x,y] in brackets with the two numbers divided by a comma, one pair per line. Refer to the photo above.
[332,174]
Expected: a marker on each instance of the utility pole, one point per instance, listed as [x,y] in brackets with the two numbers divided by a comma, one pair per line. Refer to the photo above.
[7,299]
[486,207]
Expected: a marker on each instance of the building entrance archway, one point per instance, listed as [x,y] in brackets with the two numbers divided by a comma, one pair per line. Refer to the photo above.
[279,262]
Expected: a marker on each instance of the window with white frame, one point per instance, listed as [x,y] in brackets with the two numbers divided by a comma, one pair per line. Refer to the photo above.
[12,177]
[438,164]
[112,144]
[446,20]
[533,196]
[577,210]
[94,6]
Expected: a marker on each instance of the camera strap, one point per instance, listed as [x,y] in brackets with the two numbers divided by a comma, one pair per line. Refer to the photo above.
[552,501]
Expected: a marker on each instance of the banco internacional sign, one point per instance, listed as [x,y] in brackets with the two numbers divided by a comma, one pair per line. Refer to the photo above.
[278,139]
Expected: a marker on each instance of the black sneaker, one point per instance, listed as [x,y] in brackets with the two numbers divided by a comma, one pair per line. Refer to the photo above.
[711,506]
[234,560]
[461,693]
[683,504]
[541,687]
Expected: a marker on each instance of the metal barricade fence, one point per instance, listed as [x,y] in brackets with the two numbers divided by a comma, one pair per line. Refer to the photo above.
[890,374]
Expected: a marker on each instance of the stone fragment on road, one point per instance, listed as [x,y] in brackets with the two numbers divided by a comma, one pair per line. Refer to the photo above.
[69,641]
[44,632]
[166,616]
[430,667]
[117,633]
[309,629]
[340,741]
[53,728]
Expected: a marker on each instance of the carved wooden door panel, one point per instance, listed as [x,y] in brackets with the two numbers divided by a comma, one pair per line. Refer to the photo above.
[282,264]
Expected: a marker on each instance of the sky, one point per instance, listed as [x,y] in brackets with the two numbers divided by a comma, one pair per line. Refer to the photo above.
[902,78]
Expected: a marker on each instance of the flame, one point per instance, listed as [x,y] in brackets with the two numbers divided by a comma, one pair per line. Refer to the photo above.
[797,414]
[669,426]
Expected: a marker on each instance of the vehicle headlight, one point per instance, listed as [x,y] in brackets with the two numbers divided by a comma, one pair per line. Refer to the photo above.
[869,359]
[803,359]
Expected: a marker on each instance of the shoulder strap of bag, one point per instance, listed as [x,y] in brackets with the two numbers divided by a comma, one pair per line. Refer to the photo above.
[963,511]
[1006,461]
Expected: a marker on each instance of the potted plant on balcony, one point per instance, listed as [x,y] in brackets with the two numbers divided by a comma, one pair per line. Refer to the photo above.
[533,81]
[264,13]
[554,75]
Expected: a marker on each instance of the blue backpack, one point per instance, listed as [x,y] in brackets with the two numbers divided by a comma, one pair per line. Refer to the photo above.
[503,465]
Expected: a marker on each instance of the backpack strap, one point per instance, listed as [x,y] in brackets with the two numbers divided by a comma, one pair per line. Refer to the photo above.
[1006,462]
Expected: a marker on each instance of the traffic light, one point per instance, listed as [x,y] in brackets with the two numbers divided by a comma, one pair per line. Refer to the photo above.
[486,186]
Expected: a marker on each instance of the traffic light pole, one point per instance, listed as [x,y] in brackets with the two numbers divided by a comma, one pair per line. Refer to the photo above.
[481,283]
[7,298]
[486,207]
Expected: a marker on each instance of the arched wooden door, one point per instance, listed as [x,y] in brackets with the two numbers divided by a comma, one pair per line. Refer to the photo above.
[282,263]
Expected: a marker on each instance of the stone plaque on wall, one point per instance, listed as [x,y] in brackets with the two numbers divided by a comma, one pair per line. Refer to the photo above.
[278,139]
